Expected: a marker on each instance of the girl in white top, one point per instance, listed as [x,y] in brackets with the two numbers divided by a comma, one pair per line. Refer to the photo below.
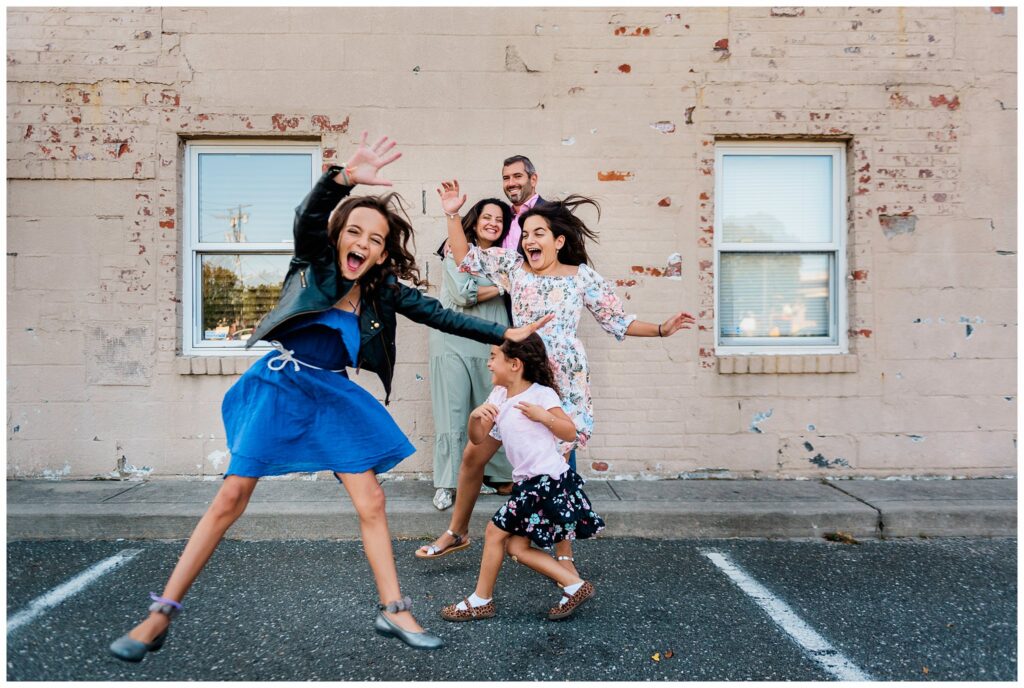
[547,504]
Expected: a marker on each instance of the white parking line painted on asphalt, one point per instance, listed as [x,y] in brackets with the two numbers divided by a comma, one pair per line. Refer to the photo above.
[817,648]
[63,591]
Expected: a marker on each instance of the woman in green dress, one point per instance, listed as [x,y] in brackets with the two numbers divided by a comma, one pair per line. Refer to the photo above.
[459,379]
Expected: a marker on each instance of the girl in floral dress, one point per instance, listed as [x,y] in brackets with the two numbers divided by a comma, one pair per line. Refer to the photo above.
[548,504]
[555,278]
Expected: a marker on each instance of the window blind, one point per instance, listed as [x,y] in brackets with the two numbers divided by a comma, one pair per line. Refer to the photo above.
[774,295]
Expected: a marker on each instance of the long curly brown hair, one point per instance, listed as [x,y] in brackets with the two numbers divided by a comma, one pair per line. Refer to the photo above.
[533,354]
[400,261]
[562,221]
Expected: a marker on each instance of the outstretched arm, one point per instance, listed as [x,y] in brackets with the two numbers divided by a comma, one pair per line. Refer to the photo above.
[679,321]
[601,300]
[429,311]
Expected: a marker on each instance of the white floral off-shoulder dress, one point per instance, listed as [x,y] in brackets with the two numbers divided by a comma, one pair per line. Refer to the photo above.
[533,297]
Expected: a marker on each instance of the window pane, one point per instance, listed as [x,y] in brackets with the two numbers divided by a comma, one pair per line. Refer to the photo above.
[774,295]
[777,198]
[251,197]
[238,290]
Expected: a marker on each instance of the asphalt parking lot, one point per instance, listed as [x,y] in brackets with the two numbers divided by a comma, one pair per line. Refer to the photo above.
[939,609]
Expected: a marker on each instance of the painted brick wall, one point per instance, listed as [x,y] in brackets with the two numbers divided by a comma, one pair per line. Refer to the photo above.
[624,105]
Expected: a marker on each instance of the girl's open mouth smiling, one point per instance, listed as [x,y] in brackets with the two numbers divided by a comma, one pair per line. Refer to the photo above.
[354,260]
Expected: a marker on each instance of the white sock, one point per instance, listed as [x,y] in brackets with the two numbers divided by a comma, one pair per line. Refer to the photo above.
[474,600]
[569,591]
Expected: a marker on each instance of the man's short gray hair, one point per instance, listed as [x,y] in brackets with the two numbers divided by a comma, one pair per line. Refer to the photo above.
[530,169]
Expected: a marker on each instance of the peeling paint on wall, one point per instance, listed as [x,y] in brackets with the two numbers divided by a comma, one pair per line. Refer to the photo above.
[119,353]
[940,100]
[56,474]
[821,462]
[758,419]
[636,31]
[216,458]
[514,63]
[323,123]
[894,225]
[647,270]
[137,472]
[674,269]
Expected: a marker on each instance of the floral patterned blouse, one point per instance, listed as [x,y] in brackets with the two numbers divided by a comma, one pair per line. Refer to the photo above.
[533,297]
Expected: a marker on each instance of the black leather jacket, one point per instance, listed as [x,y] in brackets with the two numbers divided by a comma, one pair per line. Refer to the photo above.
[314,283]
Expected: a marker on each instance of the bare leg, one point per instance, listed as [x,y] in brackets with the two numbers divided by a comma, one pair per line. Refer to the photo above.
[519,549]
[490,564]
[227,506]
[471,476]
[564,548]
[368,498]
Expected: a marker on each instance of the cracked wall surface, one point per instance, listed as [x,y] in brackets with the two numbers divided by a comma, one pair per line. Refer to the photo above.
[624,105]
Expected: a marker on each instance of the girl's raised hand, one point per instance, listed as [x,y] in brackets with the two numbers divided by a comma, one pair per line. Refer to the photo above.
[677,322]
[518,334]
[450,200]
[364,165]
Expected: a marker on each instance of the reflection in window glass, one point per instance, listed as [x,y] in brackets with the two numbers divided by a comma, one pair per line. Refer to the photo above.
[238,290]
[774,295]
[777,198]
[250,197]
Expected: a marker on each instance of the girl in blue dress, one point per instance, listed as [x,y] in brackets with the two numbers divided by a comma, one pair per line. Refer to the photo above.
[296,410]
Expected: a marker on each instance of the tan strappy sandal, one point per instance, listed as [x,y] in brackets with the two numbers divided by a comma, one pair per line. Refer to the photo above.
[431,552]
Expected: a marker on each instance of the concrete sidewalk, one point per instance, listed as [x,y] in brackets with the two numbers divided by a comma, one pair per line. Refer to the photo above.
[320,510]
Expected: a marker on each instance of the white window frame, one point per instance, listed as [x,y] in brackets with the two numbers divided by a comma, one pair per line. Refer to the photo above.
[769,346]
[192,248]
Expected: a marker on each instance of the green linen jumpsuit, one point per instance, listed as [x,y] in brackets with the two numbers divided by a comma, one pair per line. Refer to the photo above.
[459,379]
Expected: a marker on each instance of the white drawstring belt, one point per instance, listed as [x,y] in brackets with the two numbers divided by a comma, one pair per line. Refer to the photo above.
[285,356]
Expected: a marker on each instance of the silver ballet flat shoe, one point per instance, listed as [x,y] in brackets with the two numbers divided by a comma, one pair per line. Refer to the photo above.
[389,629]
[131,650]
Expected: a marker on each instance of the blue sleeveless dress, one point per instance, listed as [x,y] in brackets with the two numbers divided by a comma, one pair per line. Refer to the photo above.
[296,410]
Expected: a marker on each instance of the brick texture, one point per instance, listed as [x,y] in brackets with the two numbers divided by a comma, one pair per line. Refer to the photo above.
[623,104]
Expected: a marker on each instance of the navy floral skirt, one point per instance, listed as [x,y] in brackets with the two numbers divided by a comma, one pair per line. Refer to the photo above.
[549,510]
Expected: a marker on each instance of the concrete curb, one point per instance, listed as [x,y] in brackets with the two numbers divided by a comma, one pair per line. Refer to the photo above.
[674,509]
